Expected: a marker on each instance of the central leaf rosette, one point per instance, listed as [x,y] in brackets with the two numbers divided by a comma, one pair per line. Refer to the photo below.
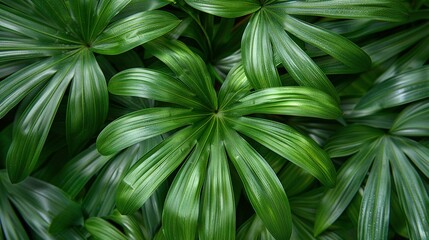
[207,129]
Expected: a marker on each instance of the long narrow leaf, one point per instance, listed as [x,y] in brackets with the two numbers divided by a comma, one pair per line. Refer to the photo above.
[375,206]
[32,127]
[148,83]
[134,30]
[412,121]
[290,144]
[262,186]
[296,101]
[225,8]
[105,12]
[349,179]
[154,167]
[140,125]
[256,49]
[182,204]
[88,101]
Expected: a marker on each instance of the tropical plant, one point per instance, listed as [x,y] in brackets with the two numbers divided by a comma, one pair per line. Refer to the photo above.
[214,119]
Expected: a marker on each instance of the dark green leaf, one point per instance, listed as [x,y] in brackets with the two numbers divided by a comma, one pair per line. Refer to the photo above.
[102,229]
[218,209]
[134,30]
[416,152]
[404,88]
[262,186]
[290,144]
[140,125]
[412,121]
[413,196]
[350,139]
[154,167]
[225,8]
[147,83]
[257,51]
[385,10]
[375,206]
[298,64]
[235,87]
[288,177]
[88,101]
[32,127]
[349,179]
[188,67]
[296,101]
[182,204]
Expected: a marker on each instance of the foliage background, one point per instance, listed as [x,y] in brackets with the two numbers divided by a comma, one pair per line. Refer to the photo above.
[197,119]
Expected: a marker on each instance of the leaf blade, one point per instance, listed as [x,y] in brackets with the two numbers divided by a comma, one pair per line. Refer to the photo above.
[225,8]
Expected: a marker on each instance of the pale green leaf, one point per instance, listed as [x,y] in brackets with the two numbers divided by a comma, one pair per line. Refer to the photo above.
[102,229]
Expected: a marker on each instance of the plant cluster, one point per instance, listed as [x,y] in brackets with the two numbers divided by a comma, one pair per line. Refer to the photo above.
[214,119]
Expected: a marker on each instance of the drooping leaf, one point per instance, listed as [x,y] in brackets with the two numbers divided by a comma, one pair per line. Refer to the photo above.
[88,101]
[218,209]
[413,196]
[290,144]
[140,125]
[154,167]
[134,30]
[349,179]
[225,8]
[182,204]
[262,186]
[401,89]
[32,127]
[375,206]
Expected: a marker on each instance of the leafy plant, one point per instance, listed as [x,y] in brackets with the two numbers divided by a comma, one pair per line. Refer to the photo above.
[197,119]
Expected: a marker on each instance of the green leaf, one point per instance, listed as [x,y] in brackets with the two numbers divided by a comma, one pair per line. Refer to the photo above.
[79,170]
[32,127]
[349,179]
[84,13]
[296,101]
[349,140]
[88,101]
[413,196]
[137,126]
[102,229]
[226,8]
[182,204]
[17,86]
[187,66]
[401,89]
[375,206]
[45,208]
[235,87]
[9,221]
[152,84]
[416,152]
[298,64]
[384,10]
[290,144]
[154,167]
[218,206]
[55,11]
[288,176]
[134,30]
[412,121]
[262,186]
[331,43]
[104,13]
[256,49]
